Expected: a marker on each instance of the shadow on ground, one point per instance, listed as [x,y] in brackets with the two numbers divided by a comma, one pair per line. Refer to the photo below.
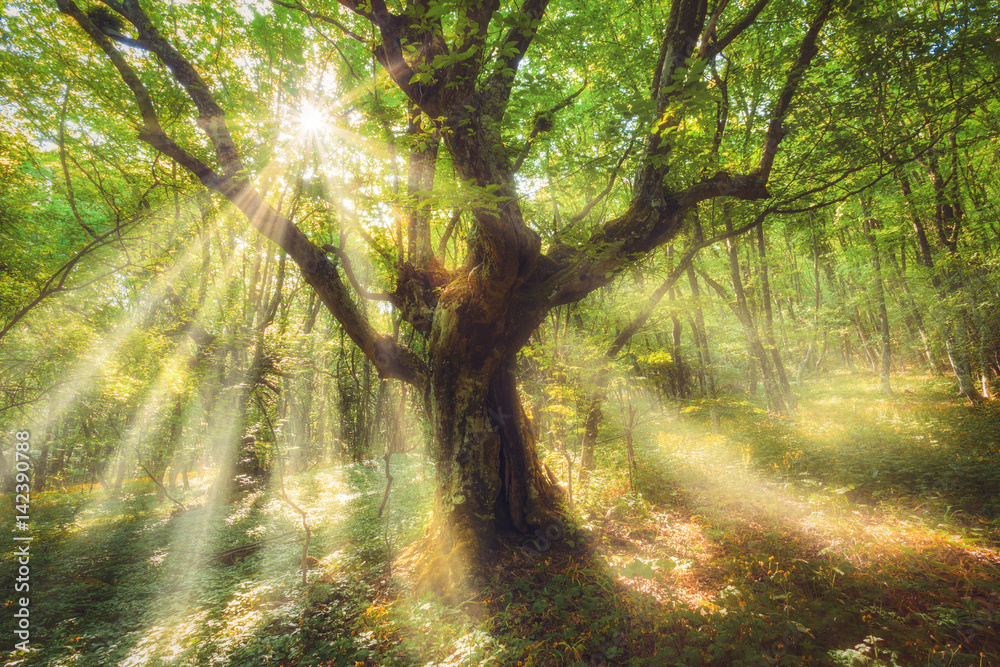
[760,542]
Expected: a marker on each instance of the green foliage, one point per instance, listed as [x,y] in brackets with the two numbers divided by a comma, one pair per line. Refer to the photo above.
[147,333]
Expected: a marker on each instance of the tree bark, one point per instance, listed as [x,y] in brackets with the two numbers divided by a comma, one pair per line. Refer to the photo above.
[765,286]
[679,372]
[883,314]
[956,345]
[773,393]
[701,334]
[915,316]
[489,477]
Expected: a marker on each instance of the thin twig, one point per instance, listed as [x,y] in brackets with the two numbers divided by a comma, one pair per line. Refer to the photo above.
[157,482]
[349,270]
[298,6]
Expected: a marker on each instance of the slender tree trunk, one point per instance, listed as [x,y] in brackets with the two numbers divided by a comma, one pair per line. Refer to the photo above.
[628,419]
[598,394]
[880,300]
[848,352]
[65,455]
[679,371]
[765,286]
[592,425]
[123,466]
[955,345]
[701,335]
[752,377]
[772,386]
[916,316]
[7,479]
[41,470]
[864,339]
[958,348]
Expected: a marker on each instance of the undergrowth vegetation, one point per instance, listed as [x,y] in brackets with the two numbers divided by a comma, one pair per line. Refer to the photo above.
[863,531]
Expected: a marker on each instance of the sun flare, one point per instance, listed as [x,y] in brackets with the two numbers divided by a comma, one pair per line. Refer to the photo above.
[311,119]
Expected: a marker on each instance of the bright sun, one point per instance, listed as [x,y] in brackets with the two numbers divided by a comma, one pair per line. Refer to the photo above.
[310,118]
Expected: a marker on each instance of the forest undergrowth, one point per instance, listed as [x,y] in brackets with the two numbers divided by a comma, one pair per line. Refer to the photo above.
[862,531]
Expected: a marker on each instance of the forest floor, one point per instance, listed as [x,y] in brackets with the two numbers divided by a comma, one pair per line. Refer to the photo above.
[861,531]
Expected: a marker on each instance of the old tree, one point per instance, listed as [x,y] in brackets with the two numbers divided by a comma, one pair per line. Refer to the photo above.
[464,78]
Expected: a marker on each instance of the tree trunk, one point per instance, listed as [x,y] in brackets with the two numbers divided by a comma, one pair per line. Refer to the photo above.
[628,419]
[925,351]
[592,425]
[598,394]
[41,469]
[848,352]
[701,335]
[883,315]
[957,349]
[7,480]
[765,286]
[123,466]
[489,477]
[751,377]
[863,338]
[59,465]
[680,370]
[772,388]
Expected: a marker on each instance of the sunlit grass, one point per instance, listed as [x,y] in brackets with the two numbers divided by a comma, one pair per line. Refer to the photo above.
[181,605]
[857,494]
[744,544]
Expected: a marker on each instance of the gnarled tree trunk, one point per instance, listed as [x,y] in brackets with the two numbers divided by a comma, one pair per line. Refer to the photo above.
[489,477]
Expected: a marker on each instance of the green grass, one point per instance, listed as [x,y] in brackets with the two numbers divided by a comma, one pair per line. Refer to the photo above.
[862,531]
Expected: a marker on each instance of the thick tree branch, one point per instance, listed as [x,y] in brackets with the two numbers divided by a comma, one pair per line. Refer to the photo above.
[712,48]
[390,360]
[709,32]
[655,216]
[211,118]
[150,131]
[807,51]
[683,29]
[365,9]
[410,43]
[513,45]
[472,28]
